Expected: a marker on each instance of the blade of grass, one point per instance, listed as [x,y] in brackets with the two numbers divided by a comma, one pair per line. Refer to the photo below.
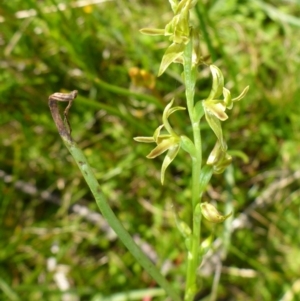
[7,290]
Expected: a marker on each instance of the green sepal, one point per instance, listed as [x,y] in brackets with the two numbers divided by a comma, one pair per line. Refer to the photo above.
[162,147]
[218,83]
[242,95]
[174,5]
[223,164]
[144,139]
[152,31]
[219,159]
[216,155]
[215,125]
[188,146]
[217,109]
[171,154]
[227,98]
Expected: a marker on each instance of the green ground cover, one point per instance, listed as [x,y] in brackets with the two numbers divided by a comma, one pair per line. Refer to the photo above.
[51,232]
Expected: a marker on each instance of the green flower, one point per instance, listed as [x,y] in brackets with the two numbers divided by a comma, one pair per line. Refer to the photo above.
[165,142]
[214,108]
[179,32]
[215,112]
[219,159]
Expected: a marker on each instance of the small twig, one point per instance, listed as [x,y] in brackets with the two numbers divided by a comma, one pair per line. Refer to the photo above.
[53,99]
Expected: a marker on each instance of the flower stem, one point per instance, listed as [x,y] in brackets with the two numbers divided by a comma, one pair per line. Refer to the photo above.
[101,201]
[193,252]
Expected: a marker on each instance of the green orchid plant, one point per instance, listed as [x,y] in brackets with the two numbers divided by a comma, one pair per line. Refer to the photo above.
[185,49]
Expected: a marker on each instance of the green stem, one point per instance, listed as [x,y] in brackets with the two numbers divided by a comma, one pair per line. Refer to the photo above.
[113,221]
[193,252]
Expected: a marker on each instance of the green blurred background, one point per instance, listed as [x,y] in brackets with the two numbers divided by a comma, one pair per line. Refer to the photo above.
[53,243]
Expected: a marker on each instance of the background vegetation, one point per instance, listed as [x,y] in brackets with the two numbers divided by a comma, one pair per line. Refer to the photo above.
[53,243]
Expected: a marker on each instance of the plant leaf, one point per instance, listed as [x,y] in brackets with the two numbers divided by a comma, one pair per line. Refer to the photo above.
[205,176]
[188,146]
[198,111]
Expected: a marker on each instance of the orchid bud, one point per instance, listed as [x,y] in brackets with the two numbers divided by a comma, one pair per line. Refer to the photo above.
[212,214]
